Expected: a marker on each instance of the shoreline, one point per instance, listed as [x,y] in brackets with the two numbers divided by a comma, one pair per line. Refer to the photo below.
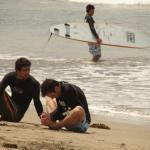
[116,119]
[30,134]
[96,118]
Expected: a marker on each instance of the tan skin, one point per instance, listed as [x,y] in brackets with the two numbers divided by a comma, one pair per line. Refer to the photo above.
[75,116]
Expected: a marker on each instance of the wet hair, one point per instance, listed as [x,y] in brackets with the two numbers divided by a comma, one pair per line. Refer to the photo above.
[48,85]
[22,62]
[89,7]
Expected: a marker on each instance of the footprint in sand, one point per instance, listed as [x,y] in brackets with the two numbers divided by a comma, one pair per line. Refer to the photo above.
[9,145]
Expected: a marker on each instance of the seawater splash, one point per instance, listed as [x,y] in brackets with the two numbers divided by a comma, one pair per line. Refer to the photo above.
[126,2]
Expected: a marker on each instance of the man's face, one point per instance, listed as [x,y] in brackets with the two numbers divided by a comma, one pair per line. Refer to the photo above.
[23,73]
[91,12]
[54,94]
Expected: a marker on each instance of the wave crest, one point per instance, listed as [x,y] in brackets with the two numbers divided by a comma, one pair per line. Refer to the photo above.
[127,2]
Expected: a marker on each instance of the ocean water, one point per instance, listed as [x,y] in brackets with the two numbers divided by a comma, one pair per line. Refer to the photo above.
[116,87]
[126,2]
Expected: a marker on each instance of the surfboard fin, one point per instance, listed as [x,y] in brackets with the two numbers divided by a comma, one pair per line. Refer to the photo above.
[67,35]
[56,30]
[67,26]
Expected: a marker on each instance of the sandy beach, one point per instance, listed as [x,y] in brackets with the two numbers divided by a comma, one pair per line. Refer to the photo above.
[117,86]
[30,135]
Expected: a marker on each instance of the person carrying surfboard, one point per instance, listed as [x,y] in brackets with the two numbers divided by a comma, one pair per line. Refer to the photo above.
[24,88]
[69,105]
[94,49]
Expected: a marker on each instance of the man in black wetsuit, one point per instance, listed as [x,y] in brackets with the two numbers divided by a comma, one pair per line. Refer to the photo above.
[94,49]
[24,88]
[72,109]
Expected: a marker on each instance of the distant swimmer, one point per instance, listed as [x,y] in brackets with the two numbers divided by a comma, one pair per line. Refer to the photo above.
[24,88]
[94,49]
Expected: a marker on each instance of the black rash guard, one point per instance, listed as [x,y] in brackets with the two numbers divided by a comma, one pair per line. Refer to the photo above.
[71,96]
[90,21]
[23,91]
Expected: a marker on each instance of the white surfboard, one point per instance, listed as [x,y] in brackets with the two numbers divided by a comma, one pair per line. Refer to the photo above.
[111,35]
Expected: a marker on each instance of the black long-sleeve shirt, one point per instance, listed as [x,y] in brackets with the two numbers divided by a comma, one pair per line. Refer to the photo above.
[71,96]
[90,21]
[23,91]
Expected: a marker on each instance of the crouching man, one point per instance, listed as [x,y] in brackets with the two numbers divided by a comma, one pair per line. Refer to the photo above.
[71,110]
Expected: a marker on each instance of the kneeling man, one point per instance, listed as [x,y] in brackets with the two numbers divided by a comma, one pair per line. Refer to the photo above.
[72,109]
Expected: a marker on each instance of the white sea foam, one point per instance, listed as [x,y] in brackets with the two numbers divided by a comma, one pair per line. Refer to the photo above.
[111,111]
[113,1]
[14,57]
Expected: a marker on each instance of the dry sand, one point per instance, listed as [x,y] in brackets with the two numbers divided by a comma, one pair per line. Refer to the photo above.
[30,135]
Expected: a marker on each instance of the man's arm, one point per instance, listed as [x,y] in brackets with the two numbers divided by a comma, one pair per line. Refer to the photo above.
[36,98]
[90,21]
[4,83]
[93,30]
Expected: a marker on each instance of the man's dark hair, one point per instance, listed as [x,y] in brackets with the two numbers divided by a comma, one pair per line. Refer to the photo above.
[48,86]
[89,7]
[22,62]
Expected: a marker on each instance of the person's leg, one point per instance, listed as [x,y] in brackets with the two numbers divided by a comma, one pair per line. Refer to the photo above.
[96,58]
[75,116]
[79,127]
[95,50]
[8,111]
[51,105]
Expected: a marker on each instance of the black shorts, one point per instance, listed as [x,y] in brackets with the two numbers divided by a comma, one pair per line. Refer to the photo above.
[8,109]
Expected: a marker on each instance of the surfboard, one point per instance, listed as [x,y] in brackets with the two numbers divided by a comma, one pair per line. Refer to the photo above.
[111,34]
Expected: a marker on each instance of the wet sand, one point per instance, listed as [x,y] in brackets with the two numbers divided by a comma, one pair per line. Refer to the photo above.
[29,134]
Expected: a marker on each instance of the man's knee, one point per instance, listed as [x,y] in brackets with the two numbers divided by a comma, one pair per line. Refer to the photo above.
[79,112]
[79,108]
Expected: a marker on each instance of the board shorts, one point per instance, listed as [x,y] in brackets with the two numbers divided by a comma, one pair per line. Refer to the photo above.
[80,127]
[8,110]
[94,49]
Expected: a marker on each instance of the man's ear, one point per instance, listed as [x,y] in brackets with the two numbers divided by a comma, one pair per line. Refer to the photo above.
[17,72]
[56,88]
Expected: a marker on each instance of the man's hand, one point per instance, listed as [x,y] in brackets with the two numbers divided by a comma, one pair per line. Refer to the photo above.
[46,119]
[99,41]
